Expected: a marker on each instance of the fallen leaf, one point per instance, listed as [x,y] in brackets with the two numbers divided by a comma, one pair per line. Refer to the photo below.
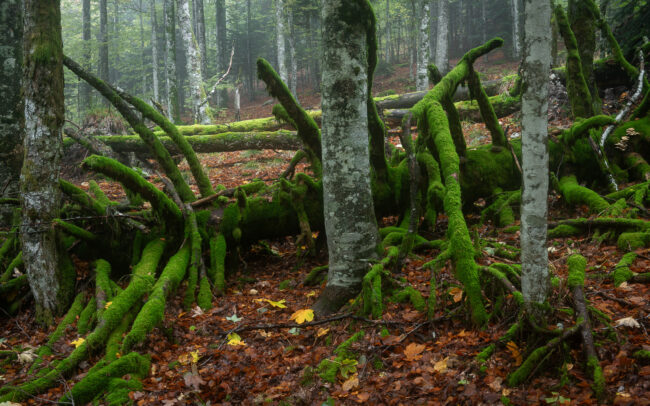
[280,303]
[516,353]
[266,334]
[197,311]
[413,351]
[77,342]
[234,339]
[302,315]
[193,380]
[234,318]
[441,366]
[495,385]
[195,356]
[27,356]
[322,331]
[107,305]
[351,383]
[628,322]
[310,294]
[363,397]
[457,293]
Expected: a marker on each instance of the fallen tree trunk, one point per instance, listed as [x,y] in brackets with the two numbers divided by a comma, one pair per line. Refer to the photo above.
[226,142]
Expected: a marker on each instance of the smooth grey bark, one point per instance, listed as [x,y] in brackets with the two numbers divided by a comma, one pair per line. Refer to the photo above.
[154,52]
[143,58]
[170,61]
[534,112]
[11,107]
[442,37]
[249,50]
[388,43]
[103,43]
[222,48]
[280,40]
[350,224]
[197,92]
[87,53]
[516,41]
[422,80]
[39,179]
[293,61]
[433,26]
[200,36]
[114,51]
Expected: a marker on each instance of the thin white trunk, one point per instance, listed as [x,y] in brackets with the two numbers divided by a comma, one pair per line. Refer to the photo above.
[422,82]
[388,44]
[442,57]
[237,104]
[516,48]
[292,55]
[170,60]
[534,112]
[154,52]
[279,23]
[350,224]
[197,91]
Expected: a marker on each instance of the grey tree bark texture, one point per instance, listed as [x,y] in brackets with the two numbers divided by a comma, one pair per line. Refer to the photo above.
[442,44]
[197,91]
[11,107]
[87,53]
[293,59]
[170,61]
[222,48]
[280,40]
[514,7]
[352,235]
[422,79]
[103,43]
[154,51]
[39,179]
[534,112]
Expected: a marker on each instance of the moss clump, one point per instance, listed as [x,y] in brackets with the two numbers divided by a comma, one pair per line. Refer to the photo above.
[344,361]
[577,264]
[598,385]
[87,317]
[622,272]
[412,295]
[217,263]
[632,241]
[204,297]
[577,195]
[642,355]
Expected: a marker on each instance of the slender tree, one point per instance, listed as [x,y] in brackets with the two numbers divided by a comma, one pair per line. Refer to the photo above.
[103,42]
[293,59]
[87,52]
[535,73]
[200,36]
[422,80]
[143,57]
[388,36]
[11,108]
[352,235]
[442,37]
[39,183]
[222,47]
[154,51]
[200,109]
[514,7]
[170,61]
[583,25]
[280,40]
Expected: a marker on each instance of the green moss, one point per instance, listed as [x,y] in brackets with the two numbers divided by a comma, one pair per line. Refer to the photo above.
[217,263]
[152,312]
[577,195]
[204,297]
[632,241]
[412,295]
[103,289]
[75,231]
[79,196]
[195,260]
[15,263]
[98,193]
[134,181]
[371,291]
[487,111]
[581,127]
[87,317]
[643,355]
[92,384]
[317,275]
[577,264]
[598,385]
[622,272]
[328,369]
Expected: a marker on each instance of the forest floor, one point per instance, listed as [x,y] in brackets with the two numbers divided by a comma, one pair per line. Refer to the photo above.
[419,362]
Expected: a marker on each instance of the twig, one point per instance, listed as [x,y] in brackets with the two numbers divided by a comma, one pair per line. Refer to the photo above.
[214,88]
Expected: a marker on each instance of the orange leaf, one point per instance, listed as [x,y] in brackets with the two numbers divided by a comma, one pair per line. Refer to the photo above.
[413,351]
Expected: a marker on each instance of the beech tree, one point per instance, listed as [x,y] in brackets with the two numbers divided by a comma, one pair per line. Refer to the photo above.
[422,80]
[534,150]
[352,235]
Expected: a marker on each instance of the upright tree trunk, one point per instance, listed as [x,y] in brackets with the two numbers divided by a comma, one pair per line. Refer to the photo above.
[442,43]
[313,47]
[350,224]
[280,40]
[433,22]
[154,52]
[249,50]
[583,25]
[534,112]
[103,43]
[170,61]
[515,28]
[11,107]
[292,55]
[422,80]
[222,48]
[484,26]
[143,58]
[389,54]
[200,37]
[87,53]
[115,52]
[39,186]
[197,92]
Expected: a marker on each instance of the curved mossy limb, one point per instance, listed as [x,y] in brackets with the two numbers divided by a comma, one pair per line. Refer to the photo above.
[103,289]
[75,231]
[93,384]
[622,272]
[503,105]
[99,194]
[202,181]
[579,94]
[218,263]
[157,149]
[317,275]
[257,124]
[153,311]
[501,208]
[632,241]
[82,198]
[510,335]
[577,195]
[581,127]
[134,181]
[308,130]
[195,259]
[413,296]
[8,247]
[87,317]
[435,190]
[564,231]
[115,339]
[15,263]
[487,111]
[638,166]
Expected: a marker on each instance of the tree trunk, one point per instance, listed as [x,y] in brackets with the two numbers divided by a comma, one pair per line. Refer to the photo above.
[87,53]
[222,48]
[11,108]
[143,59]
[388,51]
[422,80]
[249,50]
[583,25]
[200,36]
[154,51]
[536,61]
[114,73]
[515,28]
[280,41]
[197,92]
[292,55]
[170,61]
[442,56]
[40,195]
[103,42]
[350,225]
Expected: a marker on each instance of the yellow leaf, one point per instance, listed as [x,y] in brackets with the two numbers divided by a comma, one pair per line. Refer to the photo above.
[266,334]
[303,315]
[516,354]
[413,351]
[310,294]
[441,366]
[279,303]
[118,355]
[77,342]
[322,331]
[234,339]
[457,293]
[351,383]
[184,358]
[195,356]
[107,304]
